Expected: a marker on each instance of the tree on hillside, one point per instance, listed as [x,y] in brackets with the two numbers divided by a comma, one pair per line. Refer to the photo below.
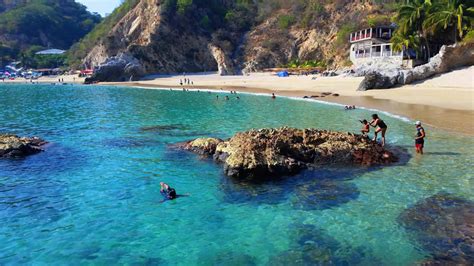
[455,14]
[410,18]
[400,42]
[43,23]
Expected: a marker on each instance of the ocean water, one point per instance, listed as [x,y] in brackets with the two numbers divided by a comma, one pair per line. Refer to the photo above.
[93,196]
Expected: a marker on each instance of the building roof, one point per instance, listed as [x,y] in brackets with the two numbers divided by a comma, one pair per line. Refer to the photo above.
[51,51]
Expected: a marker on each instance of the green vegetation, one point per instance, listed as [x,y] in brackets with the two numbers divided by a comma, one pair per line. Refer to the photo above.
[343,34]
[285,21]
[305,64]
[183,6]
[79,50]
[31,59]
[378,20]
[469,37]
[43,23]
[429,21]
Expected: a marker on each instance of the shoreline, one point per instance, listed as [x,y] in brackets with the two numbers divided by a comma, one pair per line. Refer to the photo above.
[437,117]
[445,101]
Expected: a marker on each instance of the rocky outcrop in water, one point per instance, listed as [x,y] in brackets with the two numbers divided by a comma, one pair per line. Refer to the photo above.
[388,76]
[444,225]
[274,152]
[123,67]
[14,146]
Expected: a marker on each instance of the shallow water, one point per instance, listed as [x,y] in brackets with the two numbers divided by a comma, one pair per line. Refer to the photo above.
[93,196]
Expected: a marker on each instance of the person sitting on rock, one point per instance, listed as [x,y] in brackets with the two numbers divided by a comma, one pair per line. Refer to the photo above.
[168,192]
[380,126]
[365,128]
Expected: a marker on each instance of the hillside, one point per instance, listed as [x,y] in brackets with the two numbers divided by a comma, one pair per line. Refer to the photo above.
[27,25]
[171,36]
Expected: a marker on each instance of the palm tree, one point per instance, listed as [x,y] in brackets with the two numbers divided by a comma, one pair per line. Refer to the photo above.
[455,14]
[411,17]
[402,43]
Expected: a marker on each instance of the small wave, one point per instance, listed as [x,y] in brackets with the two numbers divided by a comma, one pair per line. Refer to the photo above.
[399,117]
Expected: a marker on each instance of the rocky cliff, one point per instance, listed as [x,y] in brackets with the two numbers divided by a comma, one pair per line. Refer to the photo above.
[232,36]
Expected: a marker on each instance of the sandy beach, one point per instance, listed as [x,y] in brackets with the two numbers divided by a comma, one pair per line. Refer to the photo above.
[445,101]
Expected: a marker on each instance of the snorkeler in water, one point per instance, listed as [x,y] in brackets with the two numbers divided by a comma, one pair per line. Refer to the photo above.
[169,193]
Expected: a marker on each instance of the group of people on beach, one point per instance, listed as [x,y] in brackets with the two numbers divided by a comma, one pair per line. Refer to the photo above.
[186,82]
[381,127]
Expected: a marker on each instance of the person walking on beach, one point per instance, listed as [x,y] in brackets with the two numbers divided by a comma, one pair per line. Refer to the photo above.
[419,138]
[380,126]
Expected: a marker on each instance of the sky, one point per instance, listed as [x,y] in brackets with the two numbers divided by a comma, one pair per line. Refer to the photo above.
[102,7]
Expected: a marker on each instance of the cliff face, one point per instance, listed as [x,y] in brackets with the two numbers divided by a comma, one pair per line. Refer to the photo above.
[146,35]
[166,40]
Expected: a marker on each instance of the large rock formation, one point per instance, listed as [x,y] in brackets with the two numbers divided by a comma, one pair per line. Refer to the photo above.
[14,146]
[123,67]
[274,152]
[444,225]
[449,58]
[225,66]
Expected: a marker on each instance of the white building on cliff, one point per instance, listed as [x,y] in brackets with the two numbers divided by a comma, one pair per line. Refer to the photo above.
[373,44]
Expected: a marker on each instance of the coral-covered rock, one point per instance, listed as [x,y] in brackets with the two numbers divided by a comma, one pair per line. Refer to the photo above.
[285,151]
[444,225]
[203,146]
[14,146]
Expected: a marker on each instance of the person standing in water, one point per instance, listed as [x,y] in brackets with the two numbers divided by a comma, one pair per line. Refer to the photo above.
[273,96]
[380,126]
[419,138]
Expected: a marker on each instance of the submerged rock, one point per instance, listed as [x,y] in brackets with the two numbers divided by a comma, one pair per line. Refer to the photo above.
[14,146]
[313,246]
[161,128]
[444,225]
[324,194]
[275,152]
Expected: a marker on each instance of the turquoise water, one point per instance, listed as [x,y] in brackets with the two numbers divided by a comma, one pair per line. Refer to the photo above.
[93,196]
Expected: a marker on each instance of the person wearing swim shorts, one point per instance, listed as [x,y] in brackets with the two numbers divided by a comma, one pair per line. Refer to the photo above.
[419,138]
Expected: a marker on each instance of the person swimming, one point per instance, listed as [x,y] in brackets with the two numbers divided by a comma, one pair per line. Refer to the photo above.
[380,126]
[168,192]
